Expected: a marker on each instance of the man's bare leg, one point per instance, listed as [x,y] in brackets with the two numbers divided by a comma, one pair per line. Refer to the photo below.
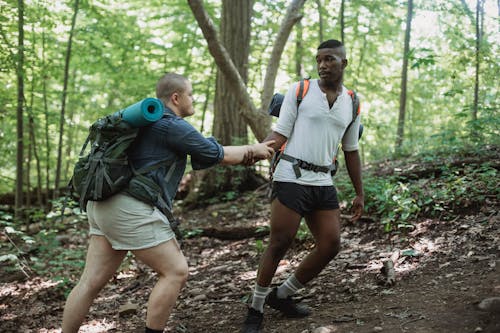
[100,265]
[325,228]
[285,223]
[168,261]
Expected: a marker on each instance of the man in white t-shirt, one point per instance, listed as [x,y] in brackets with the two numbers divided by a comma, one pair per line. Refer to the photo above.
[303,185]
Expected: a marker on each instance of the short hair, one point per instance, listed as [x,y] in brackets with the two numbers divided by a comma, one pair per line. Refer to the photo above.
[330,44]
[169,84]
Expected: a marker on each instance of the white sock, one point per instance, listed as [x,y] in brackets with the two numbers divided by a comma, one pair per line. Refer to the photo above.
[289,287]
[259,297]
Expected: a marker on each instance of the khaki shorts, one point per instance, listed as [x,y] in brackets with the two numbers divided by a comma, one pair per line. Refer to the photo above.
[127,223]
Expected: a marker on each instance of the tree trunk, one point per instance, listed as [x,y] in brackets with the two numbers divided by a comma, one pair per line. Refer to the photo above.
[47,122]
[258,120]
[362,53]
[229,126]
[298,52]
[342,21]
[293,16]
[232,83]
[37,161]
[71,135]
[320,15]
[63,104]
[208,93]
[404,79]
[33,147]
[479,36]
[19,112]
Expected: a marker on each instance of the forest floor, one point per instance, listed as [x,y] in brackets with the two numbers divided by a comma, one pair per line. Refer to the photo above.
[444,269]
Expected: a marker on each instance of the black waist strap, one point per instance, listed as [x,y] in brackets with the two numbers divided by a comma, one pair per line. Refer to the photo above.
[300,164]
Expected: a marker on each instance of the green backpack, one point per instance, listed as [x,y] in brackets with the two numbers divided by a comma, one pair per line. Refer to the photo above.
[106,170]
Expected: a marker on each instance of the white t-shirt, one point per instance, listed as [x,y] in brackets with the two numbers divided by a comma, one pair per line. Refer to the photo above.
[314,132]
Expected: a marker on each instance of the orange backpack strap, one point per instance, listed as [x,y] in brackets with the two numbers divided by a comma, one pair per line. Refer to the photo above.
[300,93]
[282,148]
[301,90]
[356,107]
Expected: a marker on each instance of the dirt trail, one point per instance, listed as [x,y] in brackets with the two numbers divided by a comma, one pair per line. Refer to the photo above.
[443,270]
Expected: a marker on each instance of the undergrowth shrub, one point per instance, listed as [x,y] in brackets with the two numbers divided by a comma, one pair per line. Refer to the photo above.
[41,253]
[397,201]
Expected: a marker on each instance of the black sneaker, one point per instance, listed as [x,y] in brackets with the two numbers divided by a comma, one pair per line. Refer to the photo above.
[288,306]
[253,322]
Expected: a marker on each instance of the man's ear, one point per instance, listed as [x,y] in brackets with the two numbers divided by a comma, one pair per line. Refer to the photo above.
[344,63]
[174,98]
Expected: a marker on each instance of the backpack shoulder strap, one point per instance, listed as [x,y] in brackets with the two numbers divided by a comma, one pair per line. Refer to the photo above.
[301,90]
[356,108]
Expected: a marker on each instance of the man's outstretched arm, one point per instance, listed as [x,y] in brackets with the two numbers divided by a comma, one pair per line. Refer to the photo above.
[244,154]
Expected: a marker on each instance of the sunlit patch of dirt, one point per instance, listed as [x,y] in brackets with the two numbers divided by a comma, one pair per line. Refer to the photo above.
[444,268]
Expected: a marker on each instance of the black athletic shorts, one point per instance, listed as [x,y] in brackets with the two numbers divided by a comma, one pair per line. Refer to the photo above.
[305,198]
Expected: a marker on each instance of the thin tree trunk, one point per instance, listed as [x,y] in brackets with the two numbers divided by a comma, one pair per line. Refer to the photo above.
[479,33]
[63,104]
[320,14]
[37,162]
[207,99]
[32,142]
[298,51]
[468,11]
[362,53]
[20,107]
[71,134]
[404,79]
[47,122]
[293,16]
[342,21]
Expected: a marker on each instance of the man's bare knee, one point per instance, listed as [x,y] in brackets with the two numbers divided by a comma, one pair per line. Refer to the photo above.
[177,274]
[182,273]
[328,248]
[92,285]
[279,245]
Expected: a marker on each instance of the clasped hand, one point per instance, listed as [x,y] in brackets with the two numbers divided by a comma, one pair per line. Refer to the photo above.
[257,152]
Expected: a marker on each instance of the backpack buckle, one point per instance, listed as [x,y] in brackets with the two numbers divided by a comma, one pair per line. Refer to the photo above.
[296,165]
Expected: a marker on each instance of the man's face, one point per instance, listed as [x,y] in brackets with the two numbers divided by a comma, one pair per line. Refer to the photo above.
[331,63]
[186,101]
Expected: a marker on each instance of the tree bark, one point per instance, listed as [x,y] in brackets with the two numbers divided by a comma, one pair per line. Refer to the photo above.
[320,15]
[404,78]
[468,11]
[479,36]
[48,146]
[298,52]
[208,93]
[63,103]
[19,112]
[71,135]
[258,119]
[293,15]
[229,127]
[342,21]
